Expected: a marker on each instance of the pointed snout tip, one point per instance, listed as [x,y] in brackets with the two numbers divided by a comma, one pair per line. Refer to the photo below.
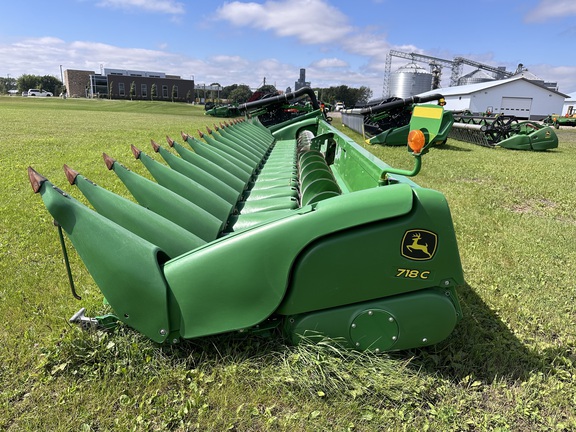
[70,174]
[36,179]
[108,161]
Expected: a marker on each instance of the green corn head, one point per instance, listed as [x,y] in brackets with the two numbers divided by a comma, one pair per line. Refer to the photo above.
[293,227]
[503,131]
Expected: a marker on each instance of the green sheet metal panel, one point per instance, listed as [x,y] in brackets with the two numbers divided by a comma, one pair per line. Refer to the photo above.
[125,267]
[239,281]
[409,320]
[412,251]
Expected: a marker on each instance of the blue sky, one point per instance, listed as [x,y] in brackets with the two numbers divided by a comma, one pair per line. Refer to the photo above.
[243,42]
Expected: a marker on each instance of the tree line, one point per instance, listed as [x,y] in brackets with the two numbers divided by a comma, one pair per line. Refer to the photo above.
[27,81]
[350,96]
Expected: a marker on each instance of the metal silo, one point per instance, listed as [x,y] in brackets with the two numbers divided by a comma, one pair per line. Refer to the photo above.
[410,80]
[474,77]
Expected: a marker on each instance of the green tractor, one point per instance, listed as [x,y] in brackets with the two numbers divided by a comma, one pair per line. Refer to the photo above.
[293,228]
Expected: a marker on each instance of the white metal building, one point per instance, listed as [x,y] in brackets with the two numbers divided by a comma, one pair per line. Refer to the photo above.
[515,96]
[569,104]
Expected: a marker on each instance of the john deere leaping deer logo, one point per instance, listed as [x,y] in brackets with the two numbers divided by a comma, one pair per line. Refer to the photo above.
[419,245]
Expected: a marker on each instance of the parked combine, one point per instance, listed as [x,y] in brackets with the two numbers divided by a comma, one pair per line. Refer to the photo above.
[503,131]
[292,227]
[388,122]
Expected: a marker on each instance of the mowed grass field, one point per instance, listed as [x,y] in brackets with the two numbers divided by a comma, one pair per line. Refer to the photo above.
[510,365]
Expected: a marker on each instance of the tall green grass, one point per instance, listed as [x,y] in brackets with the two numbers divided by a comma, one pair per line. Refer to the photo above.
[509,365]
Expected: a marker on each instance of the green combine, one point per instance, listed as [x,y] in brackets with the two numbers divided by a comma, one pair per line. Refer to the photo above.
[292,228]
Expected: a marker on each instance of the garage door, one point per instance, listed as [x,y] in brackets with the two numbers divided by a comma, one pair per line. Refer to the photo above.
[516,106]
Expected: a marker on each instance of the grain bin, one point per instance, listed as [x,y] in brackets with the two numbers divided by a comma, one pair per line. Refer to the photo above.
[410,80]
[474,77]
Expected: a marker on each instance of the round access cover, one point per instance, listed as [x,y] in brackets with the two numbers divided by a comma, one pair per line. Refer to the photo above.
[374,330]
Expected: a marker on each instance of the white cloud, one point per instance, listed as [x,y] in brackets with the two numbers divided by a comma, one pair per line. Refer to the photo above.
[371,46]
[163,6]
[330,63]
[550,9]
[307,20]
[43,56]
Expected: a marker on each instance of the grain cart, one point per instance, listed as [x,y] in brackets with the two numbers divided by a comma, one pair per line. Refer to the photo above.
[294,227]
[503,131]
[388,122]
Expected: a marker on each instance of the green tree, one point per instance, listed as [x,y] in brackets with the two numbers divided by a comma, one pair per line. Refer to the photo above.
[7,84]
[26,82]
[132,89]
[153,91]
[226,90]
[350,96]
[268,88]
[46,83]
[110,87]
[51,84]
[174,92]
[240,94]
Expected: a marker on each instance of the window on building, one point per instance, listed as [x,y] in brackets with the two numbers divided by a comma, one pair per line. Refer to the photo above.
[98,86]
[165,91]
[143,90]
[175,92]
[121,89]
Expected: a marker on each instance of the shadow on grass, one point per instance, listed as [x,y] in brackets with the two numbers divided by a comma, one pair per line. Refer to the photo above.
[451,147]
[481,346]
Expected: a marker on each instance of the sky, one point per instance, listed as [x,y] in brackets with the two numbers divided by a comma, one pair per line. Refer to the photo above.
[338,42]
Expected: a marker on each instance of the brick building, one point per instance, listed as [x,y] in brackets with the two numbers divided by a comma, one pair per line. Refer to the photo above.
[119,82]
[76,82]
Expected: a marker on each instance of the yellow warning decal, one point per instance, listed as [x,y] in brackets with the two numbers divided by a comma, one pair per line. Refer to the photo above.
[428,112]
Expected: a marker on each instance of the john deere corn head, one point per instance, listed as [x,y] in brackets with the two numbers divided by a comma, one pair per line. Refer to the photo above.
[223,111]
[388,122]
[503,131]
[293,227]
[268,108]
[559,120]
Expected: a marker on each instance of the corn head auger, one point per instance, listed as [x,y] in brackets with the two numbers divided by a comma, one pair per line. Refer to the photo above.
[503,131]
[293,227]
[388,122]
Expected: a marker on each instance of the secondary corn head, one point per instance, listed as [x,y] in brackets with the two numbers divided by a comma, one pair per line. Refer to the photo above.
[293,227]
[503,131]
[568,119]
[269,108]
[388,122]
